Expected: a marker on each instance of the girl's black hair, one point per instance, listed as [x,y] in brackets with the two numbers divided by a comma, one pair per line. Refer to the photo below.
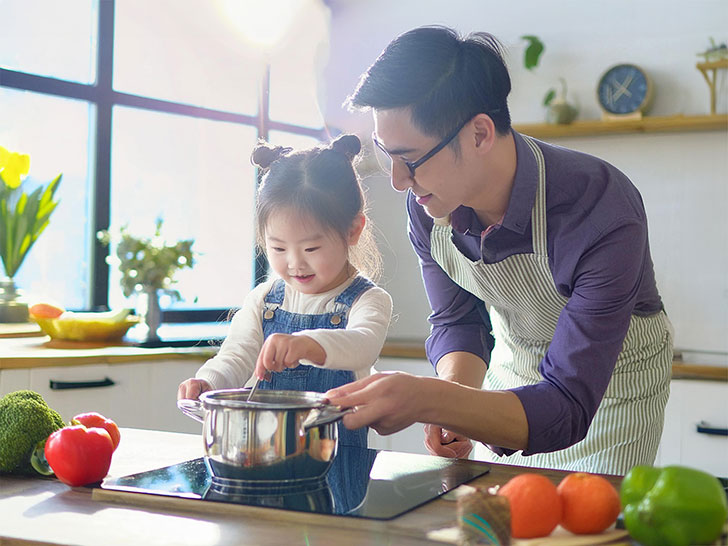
[318,183]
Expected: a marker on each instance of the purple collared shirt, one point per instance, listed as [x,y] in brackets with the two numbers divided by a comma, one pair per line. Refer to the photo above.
[600,260]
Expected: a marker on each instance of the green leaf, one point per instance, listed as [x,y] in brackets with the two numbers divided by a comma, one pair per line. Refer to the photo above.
[533,51]
[45,210]
[550,94]
[50,190]
[24,223]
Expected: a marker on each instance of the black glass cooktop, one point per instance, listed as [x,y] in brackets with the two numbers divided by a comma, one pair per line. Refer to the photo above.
[361,483]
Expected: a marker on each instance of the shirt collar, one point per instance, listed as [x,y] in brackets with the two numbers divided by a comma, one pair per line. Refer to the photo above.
[523,196]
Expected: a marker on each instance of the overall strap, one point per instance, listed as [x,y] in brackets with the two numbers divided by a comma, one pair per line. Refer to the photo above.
[274,299]
[344,301]
[276,293]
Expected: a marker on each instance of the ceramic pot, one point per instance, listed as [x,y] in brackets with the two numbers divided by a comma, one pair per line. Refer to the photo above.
[561,112]
[151,313]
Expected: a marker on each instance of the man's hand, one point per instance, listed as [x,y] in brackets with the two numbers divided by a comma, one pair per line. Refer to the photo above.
[445,443]
[282,351]
[192,389]
[388,402]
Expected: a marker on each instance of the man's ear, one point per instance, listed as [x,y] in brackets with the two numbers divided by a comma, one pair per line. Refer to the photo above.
[484,133]
[357,226]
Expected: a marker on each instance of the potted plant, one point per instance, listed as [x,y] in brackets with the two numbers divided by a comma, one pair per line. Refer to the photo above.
[558,109]
[23,217]
[148,266]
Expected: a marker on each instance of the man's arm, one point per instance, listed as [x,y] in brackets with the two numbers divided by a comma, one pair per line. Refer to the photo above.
[461,367]
[390,402]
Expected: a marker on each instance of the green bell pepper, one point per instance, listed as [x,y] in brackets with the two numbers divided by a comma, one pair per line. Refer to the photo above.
[673,506]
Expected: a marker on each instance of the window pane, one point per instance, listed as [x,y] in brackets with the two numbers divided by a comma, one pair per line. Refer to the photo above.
[50,38]
[55,133]
[297,142]
[196,175]
[297,66]
[184,51]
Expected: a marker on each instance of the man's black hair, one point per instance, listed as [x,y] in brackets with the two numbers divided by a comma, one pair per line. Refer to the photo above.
[445,80]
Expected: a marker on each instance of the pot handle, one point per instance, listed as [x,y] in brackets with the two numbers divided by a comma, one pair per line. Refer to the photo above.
[192,408]
[324,416]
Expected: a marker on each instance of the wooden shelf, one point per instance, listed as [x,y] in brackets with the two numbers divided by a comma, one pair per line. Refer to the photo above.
[648,124]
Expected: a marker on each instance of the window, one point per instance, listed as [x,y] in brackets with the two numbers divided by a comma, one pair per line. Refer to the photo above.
[151,111]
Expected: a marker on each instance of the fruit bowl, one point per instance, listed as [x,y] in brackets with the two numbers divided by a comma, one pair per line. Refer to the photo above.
[86,326]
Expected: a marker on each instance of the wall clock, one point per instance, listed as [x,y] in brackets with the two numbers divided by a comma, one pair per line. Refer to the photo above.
[624,91]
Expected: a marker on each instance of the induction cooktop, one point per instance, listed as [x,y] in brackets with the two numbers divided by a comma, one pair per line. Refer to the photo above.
[362,483]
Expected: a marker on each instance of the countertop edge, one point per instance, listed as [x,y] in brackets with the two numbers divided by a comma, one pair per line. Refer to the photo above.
[681,369]
[25,355]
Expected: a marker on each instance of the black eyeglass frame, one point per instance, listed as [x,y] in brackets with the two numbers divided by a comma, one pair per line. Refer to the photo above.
[413,165]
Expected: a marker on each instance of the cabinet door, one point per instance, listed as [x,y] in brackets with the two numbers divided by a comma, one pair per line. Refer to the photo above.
[164,378]
[695,404]
[411,439]
[14,380]
[74,389]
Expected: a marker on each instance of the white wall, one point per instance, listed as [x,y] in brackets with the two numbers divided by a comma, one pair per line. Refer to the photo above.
[683,177]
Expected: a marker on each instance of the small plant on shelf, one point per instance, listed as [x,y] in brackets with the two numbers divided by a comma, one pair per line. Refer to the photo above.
[558,109]
[716,52]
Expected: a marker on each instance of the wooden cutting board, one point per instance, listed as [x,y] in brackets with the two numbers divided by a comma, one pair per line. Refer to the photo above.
[560,537]
[174,504]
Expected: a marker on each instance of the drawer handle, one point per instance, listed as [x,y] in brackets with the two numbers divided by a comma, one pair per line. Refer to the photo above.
[705,428]
[61,385]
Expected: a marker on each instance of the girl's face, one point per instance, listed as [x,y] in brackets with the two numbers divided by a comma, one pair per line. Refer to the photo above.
[306,256]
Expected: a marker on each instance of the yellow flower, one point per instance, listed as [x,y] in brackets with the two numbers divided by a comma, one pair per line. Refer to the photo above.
[12,166]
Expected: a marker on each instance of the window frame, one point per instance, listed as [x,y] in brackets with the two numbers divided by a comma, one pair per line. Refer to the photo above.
[102,95]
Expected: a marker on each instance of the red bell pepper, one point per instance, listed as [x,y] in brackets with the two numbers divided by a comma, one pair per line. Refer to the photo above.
[93,419]
[79,455]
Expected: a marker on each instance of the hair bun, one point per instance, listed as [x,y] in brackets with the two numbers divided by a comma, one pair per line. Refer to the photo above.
[265,154]
[349,145]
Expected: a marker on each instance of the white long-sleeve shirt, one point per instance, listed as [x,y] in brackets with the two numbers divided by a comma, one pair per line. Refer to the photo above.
[354,348]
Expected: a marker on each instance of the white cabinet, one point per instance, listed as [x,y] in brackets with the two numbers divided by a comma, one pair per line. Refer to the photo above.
[411,439]
[138,394]
[694,404]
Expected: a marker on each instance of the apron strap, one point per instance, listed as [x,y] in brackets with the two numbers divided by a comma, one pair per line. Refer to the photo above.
[538,214]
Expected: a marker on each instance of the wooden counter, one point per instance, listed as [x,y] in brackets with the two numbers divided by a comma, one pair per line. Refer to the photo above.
[35,352]
[38,352]
[45,511]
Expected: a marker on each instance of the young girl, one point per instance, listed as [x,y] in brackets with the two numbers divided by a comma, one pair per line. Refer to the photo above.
[321,322]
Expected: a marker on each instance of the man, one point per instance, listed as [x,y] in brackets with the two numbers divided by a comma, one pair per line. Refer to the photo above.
[547,246]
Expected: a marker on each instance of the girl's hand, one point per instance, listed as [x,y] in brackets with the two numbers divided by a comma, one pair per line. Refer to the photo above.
[445,443]
[192,388]
[281,351]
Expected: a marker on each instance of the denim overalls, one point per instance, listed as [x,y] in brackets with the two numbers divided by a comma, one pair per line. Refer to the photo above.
[305,377]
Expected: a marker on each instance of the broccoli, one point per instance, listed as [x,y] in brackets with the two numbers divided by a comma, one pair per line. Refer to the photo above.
[25,420]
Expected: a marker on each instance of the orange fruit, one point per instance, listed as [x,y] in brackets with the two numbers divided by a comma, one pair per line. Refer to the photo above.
[590,503]
[535,505]
[45,310]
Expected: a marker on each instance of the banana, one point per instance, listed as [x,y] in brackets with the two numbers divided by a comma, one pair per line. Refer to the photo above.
[113,316]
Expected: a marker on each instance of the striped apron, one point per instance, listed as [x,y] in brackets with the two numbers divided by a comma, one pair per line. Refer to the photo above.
[524,308]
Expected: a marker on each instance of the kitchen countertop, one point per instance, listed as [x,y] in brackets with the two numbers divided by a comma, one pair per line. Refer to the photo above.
[45,511]
[40,351]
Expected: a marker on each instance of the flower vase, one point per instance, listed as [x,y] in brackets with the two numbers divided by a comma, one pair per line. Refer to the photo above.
[150,312]
[12,306]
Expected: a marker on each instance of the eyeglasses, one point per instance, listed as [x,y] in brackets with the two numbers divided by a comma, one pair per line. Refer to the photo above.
[412,165]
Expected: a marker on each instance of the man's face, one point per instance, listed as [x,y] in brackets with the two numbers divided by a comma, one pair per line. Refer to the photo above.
[440,183]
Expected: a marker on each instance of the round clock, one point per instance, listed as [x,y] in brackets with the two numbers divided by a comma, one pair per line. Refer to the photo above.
[624,90]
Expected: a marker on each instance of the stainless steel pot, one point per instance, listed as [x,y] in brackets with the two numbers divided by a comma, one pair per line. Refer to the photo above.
[279,436]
